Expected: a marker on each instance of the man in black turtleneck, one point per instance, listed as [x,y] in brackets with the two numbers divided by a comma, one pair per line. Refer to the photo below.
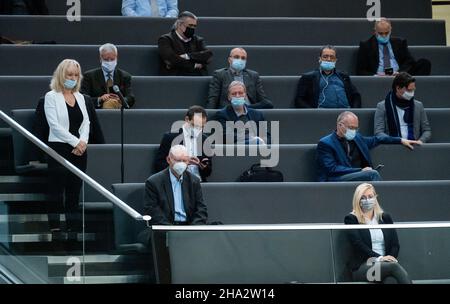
[400,115]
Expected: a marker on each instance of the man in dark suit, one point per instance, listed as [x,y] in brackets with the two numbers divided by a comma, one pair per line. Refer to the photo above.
[344,155]
[383,55]
[192,137]
[23,7]
[238,113]
[174,195]
[181,52]
[98,82]
[218,87]
[327,87]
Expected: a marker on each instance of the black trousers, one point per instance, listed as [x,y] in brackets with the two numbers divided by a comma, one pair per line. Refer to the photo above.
[64,188]
[422,67]
[389,272]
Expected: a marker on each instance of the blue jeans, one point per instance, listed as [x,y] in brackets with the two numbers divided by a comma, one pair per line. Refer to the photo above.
[370,175]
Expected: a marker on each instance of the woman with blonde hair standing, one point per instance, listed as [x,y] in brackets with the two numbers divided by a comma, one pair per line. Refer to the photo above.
[68,120]
[373,247]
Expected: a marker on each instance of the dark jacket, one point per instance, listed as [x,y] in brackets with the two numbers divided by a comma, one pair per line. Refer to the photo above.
[332,160]
[362,243]
[160,162]
[218,89]
[159,201]
[368,56]
[309,89]
[94,85]
[41,128]
[228,114]
[171,64]
[35,7]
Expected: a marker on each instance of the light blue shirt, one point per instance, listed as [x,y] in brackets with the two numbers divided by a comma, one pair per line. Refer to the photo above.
[180,213]
[105,74]
[394,63]
[142,8]
[332,92]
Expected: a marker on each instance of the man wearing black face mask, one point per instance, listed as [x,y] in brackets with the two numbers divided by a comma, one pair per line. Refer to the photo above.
[181,52]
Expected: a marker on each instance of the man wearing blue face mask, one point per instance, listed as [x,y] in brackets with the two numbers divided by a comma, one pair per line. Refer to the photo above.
[98,82]
[238,112]
[327,87]
[384,55]
[344,155]
[237,70]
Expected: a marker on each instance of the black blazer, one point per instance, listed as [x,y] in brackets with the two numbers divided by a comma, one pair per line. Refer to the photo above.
[218,89]
[160,162]
[228,114]
[94,85]
[362,243]
[171,64]
[308,90]
[369,56]
[41,128]
[35,7]
[159,201]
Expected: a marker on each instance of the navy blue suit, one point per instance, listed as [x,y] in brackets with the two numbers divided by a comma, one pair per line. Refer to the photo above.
[333,161]
[228,114]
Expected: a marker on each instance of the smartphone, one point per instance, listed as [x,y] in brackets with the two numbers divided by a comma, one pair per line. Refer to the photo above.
[389,71]
[379,167]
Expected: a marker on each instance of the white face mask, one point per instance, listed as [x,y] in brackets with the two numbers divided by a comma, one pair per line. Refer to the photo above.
[179,168]
[368,204]
[109,66]
[408,95]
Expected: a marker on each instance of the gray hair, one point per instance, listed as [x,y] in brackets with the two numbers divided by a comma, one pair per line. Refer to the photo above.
[344,115]
[382,20]
[108,47]
[326,47]
[182,18]
[236,83]
[178,151]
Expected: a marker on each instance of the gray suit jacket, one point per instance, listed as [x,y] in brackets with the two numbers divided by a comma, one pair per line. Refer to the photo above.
[422,128]
[218,90]
[159,201]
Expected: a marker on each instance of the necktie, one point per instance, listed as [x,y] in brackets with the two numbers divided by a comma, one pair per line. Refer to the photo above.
[109,82]
[387,57]
[154,7]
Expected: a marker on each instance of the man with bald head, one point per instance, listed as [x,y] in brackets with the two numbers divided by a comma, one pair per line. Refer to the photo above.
[237,71]
[174,195]
[344,155]
[384,55]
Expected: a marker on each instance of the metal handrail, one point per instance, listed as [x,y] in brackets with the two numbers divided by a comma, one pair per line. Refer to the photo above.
[83,176]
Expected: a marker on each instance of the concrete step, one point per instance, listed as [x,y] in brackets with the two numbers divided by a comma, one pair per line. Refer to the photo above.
[116,279]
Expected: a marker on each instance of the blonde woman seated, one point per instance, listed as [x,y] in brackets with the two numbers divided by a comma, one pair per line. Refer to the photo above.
[68,120]
[373,246]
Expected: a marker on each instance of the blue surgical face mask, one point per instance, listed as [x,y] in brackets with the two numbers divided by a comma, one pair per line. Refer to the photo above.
[109,66]
[350,134]
[368,204]
[238,64]
[70,84]
[327,65]
[383,40]
[237,101]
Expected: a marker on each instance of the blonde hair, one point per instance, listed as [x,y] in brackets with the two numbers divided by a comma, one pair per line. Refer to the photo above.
[378,212]
[59,75]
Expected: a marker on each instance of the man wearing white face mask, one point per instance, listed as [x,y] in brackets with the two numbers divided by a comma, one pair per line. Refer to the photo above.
[400,114]
[174,195]
[237,71]
[191,136]
[344,155]
[98,82]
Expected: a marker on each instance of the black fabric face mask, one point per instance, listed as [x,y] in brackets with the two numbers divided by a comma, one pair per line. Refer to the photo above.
[189,32]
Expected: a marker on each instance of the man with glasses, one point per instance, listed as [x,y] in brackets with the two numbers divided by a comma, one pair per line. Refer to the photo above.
[344,155]
[181,52]
[237,71]
[327,87]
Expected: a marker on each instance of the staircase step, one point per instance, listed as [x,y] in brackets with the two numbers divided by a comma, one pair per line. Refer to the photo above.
[116,279]
[22,197]
[22,184]
[45,237]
